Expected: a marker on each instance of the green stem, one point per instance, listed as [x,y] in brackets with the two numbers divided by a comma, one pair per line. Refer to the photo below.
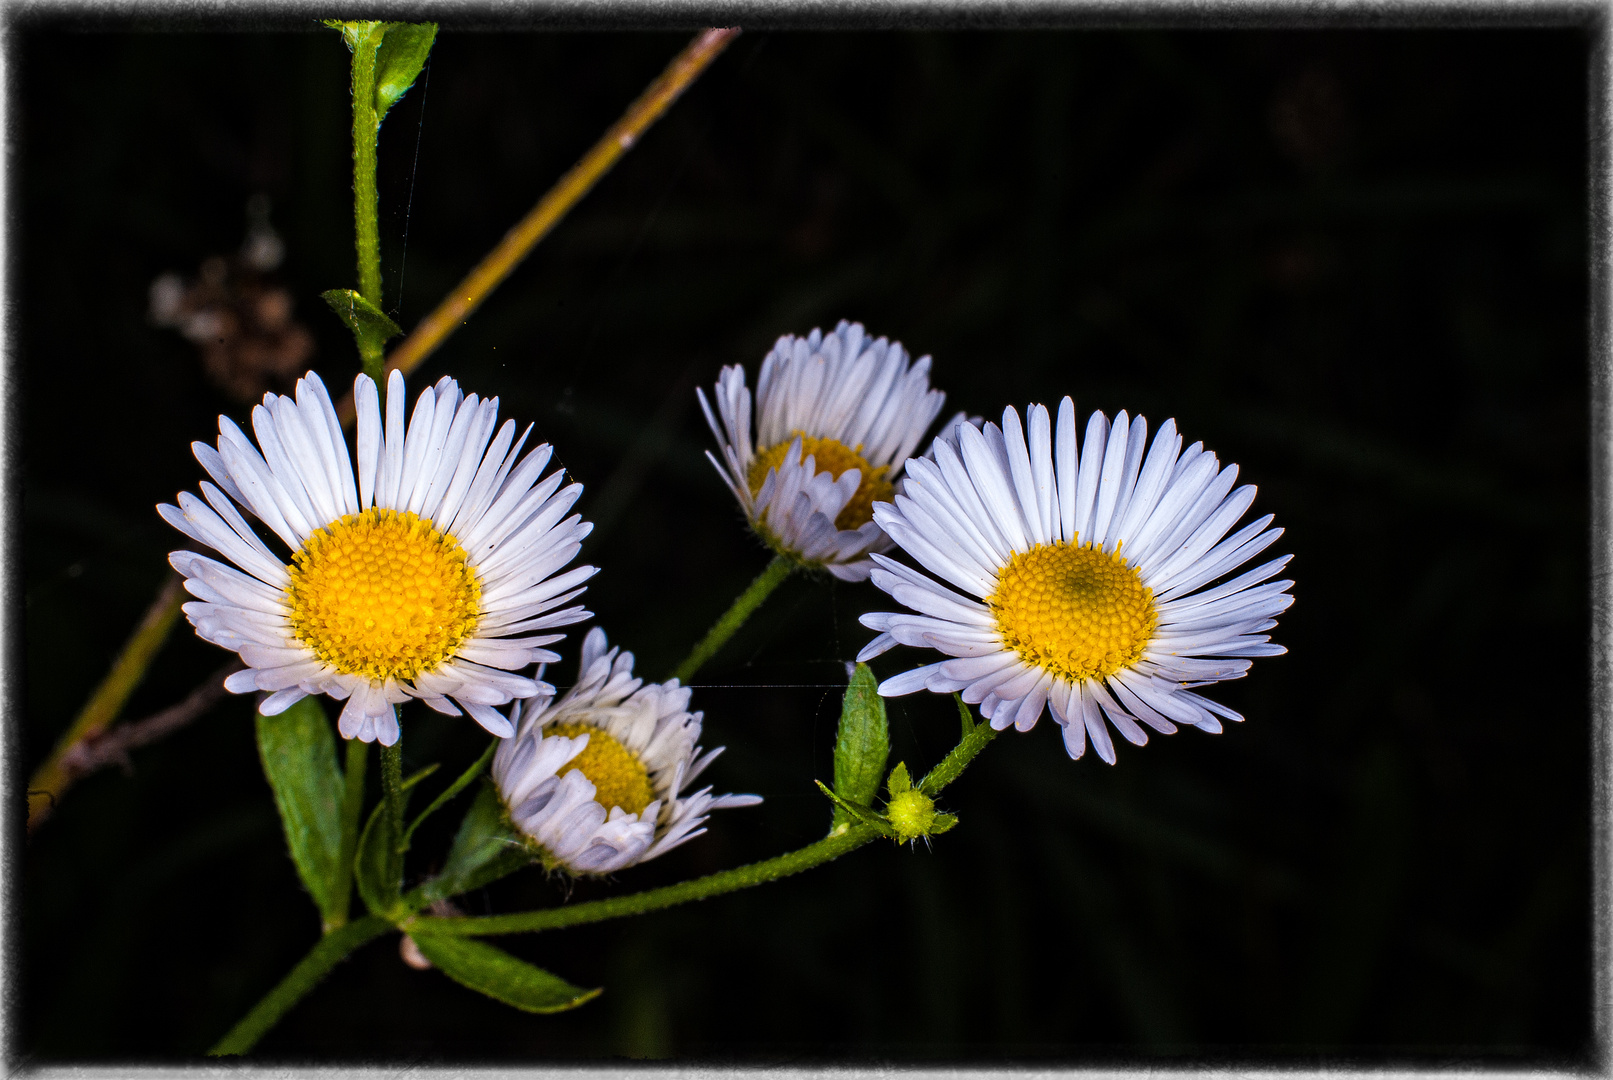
[952,766]
[392,785]
[743,877]
[358,758]
[735,616]
[366,226]
[304,977]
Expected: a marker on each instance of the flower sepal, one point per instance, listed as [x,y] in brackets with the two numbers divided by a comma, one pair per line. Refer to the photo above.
[910,814]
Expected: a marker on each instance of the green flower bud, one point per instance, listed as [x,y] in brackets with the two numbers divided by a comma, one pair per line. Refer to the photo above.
[912,814]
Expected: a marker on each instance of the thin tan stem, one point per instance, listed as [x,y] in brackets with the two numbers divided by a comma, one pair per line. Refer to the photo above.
[112,746]
[468,295]
[51,778]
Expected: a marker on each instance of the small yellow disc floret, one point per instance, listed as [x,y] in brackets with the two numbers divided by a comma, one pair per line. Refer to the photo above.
[382,594]
[833,457]
[619,778]
[1073,610]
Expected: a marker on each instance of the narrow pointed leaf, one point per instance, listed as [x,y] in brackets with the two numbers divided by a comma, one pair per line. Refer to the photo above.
[861,815]
[370,325]
[965,714]
[862,744]
[421,775]
[500,976]
[378,866]
[398,63]
[299,759]
[484,850]
[899,780]
[453,789]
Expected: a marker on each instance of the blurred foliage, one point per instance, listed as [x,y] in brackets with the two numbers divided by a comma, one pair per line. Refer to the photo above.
[1353,262]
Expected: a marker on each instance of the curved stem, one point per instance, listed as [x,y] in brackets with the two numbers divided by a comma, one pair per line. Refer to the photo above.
[732,619]
[743,877]
[301,979]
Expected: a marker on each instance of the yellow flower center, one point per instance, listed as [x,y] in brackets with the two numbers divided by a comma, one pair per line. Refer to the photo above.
[833,457]
[382,594]
[619,778]
[1073,610]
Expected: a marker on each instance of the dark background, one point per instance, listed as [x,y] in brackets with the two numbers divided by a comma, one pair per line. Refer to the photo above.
[1354,262]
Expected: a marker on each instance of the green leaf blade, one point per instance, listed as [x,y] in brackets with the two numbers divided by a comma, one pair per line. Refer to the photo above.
[500,976]
[378,866]
[484,850]
[371,326]
[299,759]
[862,743]
[399,62]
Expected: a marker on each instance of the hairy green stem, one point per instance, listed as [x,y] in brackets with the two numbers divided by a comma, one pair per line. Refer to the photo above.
[742,877]
[366,226]
[732,619]
[392,789]
[358,758]
[304,977]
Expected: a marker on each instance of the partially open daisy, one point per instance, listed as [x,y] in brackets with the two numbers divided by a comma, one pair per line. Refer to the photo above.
[595,780]
[414,582]
[1090,571]
[836,419]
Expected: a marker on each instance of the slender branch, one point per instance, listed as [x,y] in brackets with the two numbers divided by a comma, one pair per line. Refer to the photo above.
[732,619]
[111,747]
[108,699]
[358,757]
[329,951]
[468,295]
[742,877]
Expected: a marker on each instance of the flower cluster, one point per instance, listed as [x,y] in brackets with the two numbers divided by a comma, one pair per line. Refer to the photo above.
[1086,577]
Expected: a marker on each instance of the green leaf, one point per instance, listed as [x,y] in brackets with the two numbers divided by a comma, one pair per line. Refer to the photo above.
[484,850]
[299,759]
[421,775]
[965,714]
[862,744]
[378,866]
[371,327]
[899,780]
[354,31]
[942,823]
[453,789]
[501,976]
[398,63]
[862,815]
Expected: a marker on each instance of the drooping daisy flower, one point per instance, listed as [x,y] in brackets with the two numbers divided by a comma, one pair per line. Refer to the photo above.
[595,779]
[837,419]
[1090,572]
[415,582]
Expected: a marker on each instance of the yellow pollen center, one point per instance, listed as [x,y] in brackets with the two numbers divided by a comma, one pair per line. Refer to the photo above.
[833,457]
[1073,610]
[382,594]
[619,778]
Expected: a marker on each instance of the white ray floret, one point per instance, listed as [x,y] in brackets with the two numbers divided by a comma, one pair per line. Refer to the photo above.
[567,801]
[837,418]
[434,573]
[1075,580]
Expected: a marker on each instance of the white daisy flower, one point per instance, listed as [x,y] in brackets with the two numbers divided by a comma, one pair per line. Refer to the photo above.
[413,582]
[595,779]
[1087,568]
[837,419]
